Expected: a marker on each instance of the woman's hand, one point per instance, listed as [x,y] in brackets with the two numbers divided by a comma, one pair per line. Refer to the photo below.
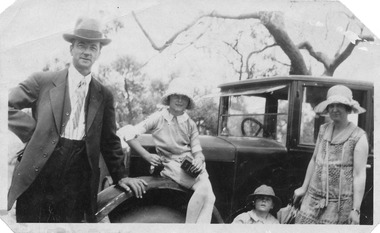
[354,218]
[298,194]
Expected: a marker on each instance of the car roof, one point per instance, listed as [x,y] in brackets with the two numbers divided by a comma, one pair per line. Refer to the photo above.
[287,79]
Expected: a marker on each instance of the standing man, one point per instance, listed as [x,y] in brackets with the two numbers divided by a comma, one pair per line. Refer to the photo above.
[72,122]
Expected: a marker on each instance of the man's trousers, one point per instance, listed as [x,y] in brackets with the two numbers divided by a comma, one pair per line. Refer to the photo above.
[60,193]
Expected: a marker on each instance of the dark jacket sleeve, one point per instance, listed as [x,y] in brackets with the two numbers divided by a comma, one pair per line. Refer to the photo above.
[110,143]
[22,96]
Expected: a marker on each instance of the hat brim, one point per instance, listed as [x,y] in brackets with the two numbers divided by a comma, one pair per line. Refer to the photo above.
[277,201]
[165,100]
[322,107]
[71,37]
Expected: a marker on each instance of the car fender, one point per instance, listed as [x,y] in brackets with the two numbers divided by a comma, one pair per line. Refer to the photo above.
[114,195]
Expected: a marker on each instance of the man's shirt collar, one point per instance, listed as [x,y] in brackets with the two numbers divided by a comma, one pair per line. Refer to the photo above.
[75,77]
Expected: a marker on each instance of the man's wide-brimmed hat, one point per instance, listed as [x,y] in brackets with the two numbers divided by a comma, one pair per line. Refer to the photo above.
[339,94]
[88,29]
[180,86]
[265,190]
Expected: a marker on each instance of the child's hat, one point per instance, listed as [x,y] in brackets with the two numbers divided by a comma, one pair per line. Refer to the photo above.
[265,190]
[180,86]
[339,94]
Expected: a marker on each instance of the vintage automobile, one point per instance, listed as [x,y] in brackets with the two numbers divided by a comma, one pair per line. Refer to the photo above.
[266,135]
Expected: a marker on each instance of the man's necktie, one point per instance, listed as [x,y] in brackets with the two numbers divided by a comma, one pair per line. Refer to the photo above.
[80,94]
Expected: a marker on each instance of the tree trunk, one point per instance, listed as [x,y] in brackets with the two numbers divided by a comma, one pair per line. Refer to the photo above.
[274,22]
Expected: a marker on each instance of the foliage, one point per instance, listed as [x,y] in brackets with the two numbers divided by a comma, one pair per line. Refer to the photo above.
[55,65]
[205,116]
[139,97]
[126,82]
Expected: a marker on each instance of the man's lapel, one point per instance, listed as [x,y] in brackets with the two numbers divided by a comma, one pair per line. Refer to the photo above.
[93,102]
[59,99]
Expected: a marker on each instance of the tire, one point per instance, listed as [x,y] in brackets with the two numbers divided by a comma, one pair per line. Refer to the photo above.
[163,202]
[156,206]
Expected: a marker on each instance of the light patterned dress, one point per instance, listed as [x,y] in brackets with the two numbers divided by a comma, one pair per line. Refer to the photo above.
[329,197]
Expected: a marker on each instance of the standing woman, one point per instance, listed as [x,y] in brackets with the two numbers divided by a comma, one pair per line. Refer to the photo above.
[334,183]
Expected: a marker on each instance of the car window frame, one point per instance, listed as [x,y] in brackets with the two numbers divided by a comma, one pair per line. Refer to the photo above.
[365,121]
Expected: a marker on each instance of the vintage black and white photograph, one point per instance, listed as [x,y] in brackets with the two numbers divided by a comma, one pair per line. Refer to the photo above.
[188,116]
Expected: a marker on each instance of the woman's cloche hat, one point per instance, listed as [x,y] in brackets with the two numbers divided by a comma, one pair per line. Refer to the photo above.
[88,29]
[265,190]
[339,94]
[180,86]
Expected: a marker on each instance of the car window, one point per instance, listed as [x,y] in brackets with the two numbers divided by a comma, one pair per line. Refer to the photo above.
[260,113]
[310,121]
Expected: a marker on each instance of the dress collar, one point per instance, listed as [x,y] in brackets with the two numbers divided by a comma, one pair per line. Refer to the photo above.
[342,136]
[169,117]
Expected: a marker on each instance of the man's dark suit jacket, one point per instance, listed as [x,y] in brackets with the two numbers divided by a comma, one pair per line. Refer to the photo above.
[46,93]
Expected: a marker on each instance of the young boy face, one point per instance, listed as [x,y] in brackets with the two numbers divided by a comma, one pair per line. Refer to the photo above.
[178,104]
[263,203]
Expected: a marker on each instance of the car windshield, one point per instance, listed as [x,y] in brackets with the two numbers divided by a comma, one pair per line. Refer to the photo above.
[262,112]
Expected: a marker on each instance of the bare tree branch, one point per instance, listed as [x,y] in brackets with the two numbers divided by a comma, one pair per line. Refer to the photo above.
[343,39]
[280,62]
[171,39]
[145,33]
[346,53]
[229,62]
[319,56]
[274,23]
[234,47]
[247,68]
[331,64]
[196,39]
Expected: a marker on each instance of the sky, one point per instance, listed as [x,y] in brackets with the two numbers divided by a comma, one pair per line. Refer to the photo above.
[26,48]
[365,10]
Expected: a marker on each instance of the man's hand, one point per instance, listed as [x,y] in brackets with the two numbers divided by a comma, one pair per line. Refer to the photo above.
[137,185]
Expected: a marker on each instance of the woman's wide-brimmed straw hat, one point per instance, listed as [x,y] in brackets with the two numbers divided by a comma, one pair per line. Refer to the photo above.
[87,29]
[339,94]
[180,86]
[265,190]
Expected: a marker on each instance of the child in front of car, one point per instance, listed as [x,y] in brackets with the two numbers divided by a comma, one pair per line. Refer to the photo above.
[264,200]
[176,138]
